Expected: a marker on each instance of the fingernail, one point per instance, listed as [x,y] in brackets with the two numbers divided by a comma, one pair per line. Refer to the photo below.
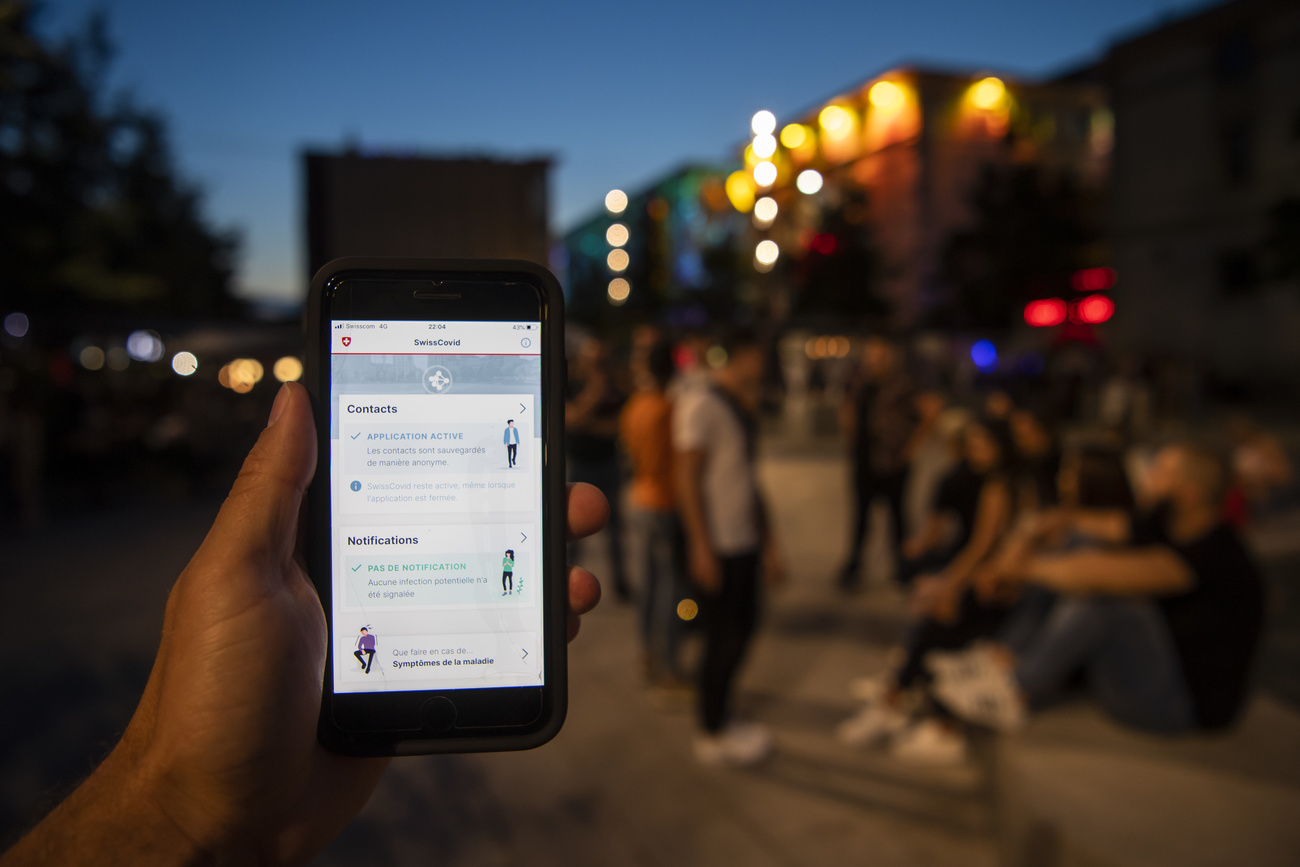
[281,401]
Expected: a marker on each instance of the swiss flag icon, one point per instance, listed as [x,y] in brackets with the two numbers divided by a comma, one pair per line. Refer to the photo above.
[347,341]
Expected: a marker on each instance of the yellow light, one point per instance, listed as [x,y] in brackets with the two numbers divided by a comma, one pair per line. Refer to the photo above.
[185,363]
[810,348]
[287,369]
[740,191]
[765,174]
[766,252]
[241,374]
[617,260]
[618,291]
[688,609]
[835,119]
[765,209]
[715,357]
[92,358]
[809,181]
[223,376]
[763,123]
[794,135]
[988,94]
[616,235]
[886,96]
[616,201]
[764,146]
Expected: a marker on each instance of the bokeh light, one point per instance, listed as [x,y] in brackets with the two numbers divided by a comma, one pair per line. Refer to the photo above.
[740,191]
[886,96]
[794,135]
[616,201]
[618,291]
[763,123]
[809,181]
[715,356]
[1096,309]
[16,324]
[287,369]
[835,119]
[91,358]
[766,252]
[765,174]
[117,358]
[766,209]
[185,363]
[1093,279]
[144,345]
[616,235]
[617,260]
[985,355]
[1045,312]
[688,609]
[241,375]
[988,93]
[764,146]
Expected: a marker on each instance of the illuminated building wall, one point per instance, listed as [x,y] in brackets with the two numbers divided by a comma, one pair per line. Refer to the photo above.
[1207,126]
[916,140]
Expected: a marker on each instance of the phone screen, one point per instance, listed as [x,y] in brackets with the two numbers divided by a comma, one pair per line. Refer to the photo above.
[436,498]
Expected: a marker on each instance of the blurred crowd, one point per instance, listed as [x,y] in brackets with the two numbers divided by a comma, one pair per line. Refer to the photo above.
[1041,555]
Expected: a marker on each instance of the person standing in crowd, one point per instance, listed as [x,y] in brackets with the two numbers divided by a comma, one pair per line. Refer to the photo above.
[881,423]
[730,543]
[1165,625]
[591,430]
[645,430]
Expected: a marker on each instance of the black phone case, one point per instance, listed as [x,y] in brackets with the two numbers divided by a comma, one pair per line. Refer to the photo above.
[555,583]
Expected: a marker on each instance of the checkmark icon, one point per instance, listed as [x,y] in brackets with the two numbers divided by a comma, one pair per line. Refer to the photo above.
[356,567]
[355,435]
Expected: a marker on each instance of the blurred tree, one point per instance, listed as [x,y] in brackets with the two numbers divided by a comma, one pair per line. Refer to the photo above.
[93,216]
[1031,231]
[837,280]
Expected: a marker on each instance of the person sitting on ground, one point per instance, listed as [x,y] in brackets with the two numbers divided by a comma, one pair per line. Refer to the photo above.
[1165,626]
[220,763]
[949,615]
[1037,459]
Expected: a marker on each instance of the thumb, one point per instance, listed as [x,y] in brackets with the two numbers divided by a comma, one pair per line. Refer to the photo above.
[259,519]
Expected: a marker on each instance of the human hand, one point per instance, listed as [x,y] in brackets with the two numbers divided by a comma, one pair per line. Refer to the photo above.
[705,570]
[221,761]
[937,597]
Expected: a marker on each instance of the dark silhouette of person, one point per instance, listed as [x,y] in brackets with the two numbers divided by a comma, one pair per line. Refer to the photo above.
[511,440]
[508,573]
[366,645]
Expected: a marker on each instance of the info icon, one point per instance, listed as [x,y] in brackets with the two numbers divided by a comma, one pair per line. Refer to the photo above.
[437,380]
[356,486]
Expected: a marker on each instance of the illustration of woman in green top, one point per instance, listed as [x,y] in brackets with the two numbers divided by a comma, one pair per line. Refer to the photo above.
[508,573]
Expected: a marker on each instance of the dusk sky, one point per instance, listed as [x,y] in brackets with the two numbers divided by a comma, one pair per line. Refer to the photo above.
[617,92]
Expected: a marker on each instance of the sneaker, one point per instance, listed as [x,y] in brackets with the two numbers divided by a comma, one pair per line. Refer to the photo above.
[739,744]
[929,742]
[872,724]
[990,696]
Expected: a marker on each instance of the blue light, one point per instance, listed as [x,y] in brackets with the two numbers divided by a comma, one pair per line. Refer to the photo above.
[985,355]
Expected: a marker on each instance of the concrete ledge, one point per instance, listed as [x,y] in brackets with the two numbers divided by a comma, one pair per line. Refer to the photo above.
[1076,790]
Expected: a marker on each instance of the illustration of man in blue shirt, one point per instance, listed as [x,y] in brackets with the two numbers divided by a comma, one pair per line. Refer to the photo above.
[511,440]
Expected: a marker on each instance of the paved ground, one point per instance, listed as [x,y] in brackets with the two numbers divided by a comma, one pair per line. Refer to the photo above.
[618,786]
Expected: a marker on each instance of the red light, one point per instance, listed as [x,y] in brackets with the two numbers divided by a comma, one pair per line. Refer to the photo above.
[1093,279]
[825,243]
[1045,312]
[1096,309]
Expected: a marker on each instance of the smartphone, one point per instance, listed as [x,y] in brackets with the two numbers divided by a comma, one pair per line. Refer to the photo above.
[436,517]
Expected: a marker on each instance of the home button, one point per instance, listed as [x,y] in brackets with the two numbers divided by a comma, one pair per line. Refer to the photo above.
[438,714]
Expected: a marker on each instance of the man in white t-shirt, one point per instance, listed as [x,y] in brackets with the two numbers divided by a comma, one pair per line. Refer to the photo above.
[729,546]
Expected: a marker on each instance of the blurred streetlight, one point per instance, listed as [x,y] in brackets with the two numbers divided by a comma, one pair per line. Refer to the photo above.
[616,201]
[764,145]
[740,191]
[144,345]
[835,119]
[886,96]
[16,324]
[287,369]
[91,358]
[765,174]
[765,255]
[763,123]
[618,291]
[185,363]
[794,135]
[988,93]
[617,260]
[765,210]
[616,235]
[809,181]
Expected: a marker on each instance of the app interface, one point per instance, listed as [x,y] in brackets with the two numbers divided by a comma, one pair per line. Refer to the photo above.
[436,483]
